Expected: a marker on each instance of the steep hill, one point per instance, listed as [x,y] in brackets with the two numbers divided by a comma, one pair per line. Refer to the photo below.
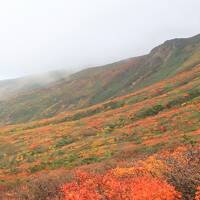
[95,85]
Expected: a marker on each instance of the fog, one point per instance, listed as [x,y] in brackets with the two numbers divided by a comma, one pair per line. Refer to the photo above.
[42,35]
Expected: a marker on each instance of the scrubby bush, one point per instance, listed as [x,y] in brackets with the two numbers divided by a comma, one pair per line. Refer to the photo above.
[44,187]
[150,111]
[185,172]
[64,141]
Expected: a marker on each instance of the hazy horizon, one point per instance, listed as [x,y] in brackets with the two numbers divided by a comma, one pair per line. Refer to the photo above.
[40,36]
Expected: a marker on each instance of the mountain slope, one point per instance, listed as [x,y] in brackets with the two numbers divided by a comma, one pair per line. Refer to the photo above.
[98,84]
[161,116]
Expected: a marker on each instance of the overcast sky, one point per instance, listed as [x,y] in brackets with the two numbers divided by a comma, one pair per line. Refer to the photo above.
[42,35]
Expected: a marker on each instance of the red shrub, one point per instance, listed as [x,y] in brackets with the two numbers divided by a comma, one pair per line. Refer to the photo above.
[97,187]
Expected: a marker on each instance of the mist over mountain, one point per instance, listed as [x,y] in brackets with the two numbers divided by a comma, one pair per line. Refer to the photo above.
[45,97]
[13,87]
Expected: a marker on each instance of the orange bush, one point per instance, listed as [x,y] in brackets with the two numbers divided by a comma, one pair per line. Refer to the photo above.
[197,197]
[97,187]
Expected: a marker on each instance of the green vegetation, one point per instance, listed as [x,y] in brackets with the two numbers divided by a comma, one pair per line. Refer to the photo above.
[151,111]
[64,141]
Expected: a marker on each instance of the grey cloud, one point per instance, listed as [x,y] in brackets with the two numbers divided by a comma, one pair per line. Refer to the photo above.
[42,35]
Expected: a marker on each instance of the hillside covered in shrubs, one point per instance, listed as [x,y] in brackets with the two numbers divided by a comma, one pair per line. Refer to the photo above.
[143,143]
[138,143]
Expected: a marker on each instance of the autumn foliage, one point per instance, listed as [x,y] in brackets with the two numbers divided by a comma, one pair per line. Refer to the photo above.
[132,140]
[98,187]
[197,197]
